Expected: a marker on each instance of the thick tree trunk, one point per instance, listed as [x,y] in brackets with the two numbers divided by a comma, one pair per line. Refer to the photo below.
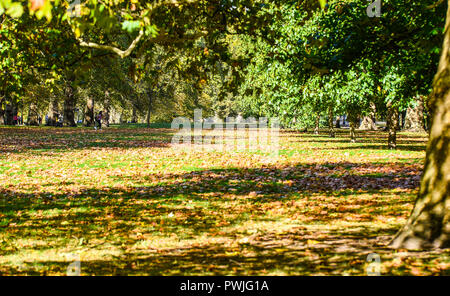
[69,105]
[316,125]
[33,115]
[331,123]
[89,113]
[368,122]
[9,114]
[429,223]
[53,112]
[392,125]
[414,120]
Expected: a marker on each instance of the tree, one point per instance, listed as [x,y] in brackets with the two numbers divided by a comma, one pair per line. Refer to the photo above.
[414,118]
[429,223]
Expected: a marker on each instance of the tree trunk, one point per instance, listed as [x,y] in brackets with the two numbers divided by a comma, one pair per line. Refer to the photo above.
[9,114]
[414,120]
[368,122]
[429,223]
[53,112]
[69,105]
[150,106]
[399,120]
[403,119]
[352,130]
[2,111]
[89,113]
[353,120]
[316,126]
[392,125]
[106,116]
[338,122]
[330,123]
[33,115]
[134,115]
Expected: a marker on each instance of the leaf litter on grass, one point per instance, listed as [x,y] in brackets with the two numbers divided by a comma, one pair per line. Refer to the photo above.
[128,202]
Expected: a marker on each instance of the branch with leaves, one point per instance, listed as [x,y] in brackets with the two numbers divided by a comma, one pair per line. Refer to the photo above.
[118,51]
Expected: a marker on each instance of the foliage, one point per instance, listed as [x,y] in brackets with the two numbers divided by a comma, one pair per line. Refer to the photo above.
[340,55]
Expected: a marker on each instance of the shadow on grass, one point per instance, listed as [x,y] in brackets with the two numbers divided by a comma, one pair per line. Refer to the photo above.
[19,140]
[300,251]
[208,222]
[215,203]
[400,147]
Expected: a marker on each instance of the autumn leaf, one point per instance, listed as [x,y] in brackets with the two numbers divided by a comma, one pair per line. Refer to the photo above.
[36,4]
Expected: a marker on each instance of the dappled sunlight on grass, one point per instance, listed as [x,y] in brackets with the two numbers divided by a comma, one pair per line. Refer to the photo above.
[126,201]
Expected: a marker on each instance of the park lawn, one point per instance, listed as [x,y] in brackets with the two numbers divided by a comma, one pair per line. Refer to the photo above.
[125,201]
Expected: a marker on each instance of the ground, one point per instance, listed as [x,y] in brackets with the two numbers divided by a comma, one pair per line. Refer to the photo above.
[126,201]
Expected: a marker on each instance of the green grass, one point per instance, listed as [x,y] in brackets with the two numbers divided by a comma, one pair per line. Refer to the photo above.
[126,201]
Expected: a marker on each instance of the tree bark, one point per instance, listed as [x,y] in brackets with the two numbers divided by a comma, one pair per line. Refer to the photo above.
[429,223]
[106,116]
[134,115]
[402,120]
[330,122]
[123,117]
[69,105]
[9,114]
[399,120]
[353,120]
[2,111]
[150,106]
[414,120]
[53,112]
[316,126]
[33,115]
[368,122]
[89,113]
[353,130]
[392,125]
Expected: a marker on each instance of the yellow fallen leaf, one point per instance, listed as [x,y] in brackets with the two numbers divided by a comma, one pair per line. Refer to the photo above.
[312,242]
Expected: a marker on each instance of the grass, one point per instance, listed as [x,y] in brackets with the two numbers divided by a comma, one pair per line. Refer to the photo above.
[126,201]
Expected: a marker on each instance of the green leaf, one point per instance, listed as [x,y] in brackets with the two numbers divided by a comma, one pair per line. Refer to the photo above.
[151,30]
[323,3]
[15,10]
[131,26]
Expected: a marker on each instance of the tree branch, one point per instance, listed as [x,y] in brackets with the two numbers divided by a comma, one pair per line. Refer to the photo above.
[119,52]
[435,4]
